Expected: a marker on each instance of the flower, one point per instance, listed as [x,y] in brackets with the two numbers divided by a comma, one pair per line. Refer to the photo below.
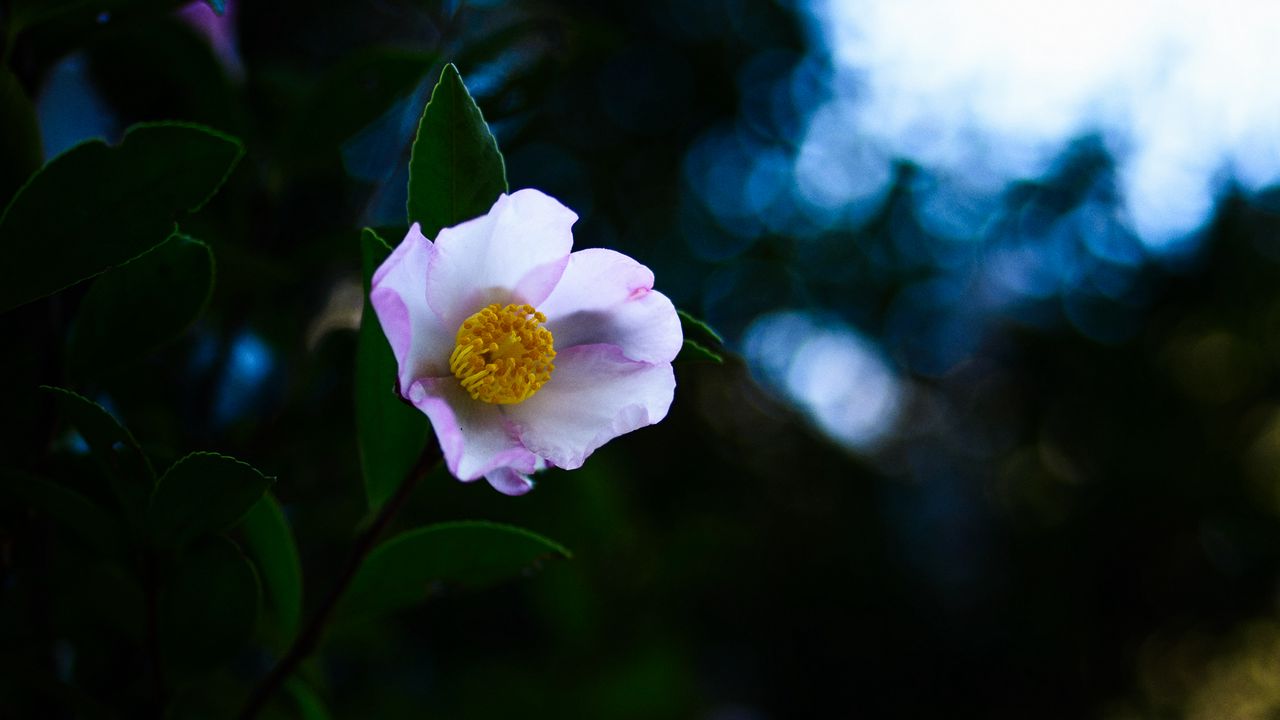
[523,354]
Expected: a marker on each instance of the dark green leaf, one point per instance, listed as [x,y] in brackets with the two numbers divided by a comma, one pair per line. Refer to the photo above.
[455,171]
[218,6]
[391,433]
[404,570]
[136,307]
[97,206]
[269,541]
[202,493]
[66,507]
[698,330]
[208,605]
[701,342]
[20,141]
[127,469]
[691,351]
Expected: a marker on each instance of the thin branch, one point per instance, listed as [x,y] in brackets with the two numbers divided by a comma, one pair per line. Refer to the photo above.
[307,641]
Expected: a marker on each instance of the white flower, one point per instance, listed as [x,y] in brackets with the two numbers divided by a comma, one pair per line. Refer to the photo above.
[523,354]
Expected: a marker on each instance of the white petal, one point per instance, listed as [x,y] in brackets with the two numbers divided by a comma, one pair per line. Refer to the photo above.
[606,297]
[475,437]
[594,395]
[509,482]
[398,293]
[514,253]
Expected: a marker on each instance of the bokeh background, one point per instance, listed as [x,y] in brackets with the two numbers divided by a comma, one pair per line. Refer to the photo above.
[1000,434]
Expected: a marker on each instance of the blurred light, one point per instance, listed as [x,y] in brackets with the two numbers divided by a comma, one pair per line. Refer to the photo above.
[718,168]
[831,372]
[1179,90]
[950,209]
[837,170]
[69,108]
[1262,459]
[1213,365]
[249,364]
[341,311]
[1240,683]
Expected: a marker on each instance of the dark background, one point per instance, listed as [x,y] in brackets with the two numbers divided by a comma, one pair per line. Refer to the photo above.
[1062,521]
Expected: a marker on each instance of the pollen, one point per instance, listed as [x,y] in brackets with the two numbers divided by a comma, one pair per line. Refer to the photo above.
[503,354]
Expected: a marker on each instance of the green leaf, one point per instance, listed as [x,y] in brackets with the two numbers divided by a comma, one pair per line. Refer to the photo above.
[455,170]
[701,342]
[137,307]
[97,206]
[208,605]
[269,541]
[68,508]
[692,351]
[121,458]
[218,6]
[202,493]
[405,569]
[20,141]
[699,330]
[391,433]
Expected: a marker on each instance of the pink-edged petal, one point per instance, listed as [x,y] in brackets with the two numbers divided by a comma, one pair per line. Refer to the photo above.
[594,395]
[475,437]
[606,297]
[515,253]
[508,481]
[420,342]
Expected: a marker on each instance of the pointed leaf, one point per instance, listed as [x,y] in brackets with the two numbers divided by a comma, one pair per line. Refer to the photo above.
[97,206]
[208,605]
[202,493]
[127,469]
[698,329]
[455,170]
[701,342]
[136,307]
[405,569]
[269,541]
[691,351]
[391,433]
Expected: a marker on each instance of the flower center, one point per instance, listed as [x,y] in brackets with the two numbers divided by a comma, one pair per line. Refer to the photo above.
[503,354]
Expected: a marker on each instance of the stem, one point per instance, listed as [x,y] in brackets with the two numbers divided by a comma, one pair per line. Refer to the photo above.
[307,640]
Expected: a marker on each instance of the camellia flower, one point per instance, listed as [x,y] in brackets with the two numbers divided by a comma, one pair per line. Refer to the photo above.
[523,354]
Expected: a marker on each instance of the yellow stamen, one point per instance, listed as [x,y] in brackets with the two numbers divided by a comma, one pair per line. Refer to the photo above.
[503,354]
